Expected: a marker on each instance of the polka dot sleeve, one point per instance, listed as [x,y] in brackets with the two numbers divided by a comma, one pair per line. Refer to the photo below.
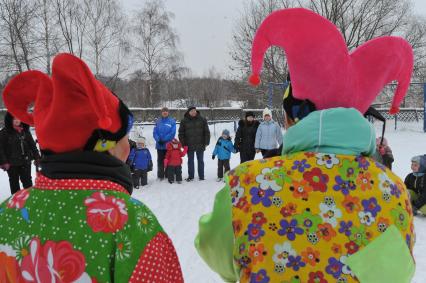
[158,263]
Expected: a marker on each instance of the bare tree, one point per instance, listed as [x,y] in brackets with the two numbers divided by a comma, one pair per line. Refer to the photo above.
[154,43]
[103,28]
[71,18]
[16,37]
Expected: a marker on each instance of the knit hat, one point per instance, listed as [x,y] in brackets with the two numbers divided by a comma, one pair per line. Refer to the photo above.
[72,110]
[322,69]
[191,107]
[416,159]
[225,132]
[250,113]
[164,109]
[141,140]
[266,111]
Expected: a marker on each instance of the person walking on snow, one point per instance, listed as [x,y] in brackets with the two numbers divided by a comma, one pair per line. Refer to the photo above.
[164,132]
[269,138]
[140,163]
[324,211]
[79,222]
[416,183]
[223,150]
[195,134]
[246,137]
[173,161]
[17,150]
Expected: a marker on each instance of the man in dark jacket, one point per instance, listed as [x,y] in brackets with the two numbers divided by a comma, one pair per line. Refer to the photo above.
[17,150]
[195,134]
[246,136]
[164,132]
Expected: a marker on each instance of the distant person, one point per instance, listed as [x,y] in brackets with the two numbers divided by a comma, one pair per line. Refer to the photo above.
[269,137]
[195,134]
[223,150]
[246,137]
[17,150]
[173,161]
[140,163]
[164,132]
[383,152]
[416,183]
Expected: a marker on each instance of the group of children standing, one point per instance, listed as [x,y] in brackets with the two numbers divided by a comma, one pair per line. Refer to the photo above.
[140,160]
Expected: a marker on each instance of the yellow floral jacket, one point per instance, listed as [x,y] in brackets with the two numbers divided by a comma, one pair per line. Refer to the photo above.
[313,217]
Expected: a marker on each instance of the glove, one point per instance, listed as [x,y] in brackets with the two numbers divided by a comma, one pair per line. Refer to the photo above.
[5,166]
[213,157]
[165,162]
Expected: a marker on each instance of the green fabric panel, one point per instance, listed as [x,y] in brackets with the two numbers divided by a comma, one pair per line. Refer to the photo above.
[335,131]
[386,259]
[215,239]
[59,215]
[413,195]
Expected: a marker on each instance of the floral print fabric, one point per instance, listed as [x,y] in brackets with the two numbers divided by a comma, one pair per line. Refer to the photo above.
[78,234]
[298,218]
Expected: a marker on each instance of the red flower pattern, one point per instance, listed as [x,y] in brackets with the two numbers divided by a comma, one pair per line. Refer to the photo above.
[316,179]
[53,262]
[105,214]
[18,199]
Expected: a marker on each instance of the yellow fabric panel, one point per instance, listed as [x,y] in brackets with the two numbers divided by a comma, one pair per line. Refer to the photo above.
[288,213]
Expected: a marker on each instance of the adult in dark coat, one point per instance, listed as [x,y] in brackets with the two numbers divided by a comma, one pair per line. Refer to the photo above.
[195,134]
[17,150]
[246,136]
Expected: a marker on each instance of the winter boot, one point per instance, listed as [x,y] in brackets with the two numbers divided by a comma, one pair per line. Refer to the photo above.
[189,179]
[219,180]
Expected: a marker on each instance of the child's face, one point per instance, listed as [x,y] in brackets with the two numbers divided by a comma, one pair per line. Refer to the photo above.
[175,145]
[141,144]
[415,167]
[224,136]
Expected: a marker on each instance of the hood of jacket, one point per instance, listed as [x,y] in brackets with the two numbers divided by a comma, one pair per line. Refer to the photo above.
[335,130]
[187,116]
[8,122]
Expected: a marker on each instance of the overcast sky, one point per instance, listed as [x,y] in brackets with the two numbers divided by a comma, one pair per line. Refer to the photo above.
[205,29]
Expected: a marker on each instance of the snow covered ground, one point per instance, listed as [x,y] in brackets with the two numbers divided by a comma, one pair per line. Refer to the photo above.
[178,207]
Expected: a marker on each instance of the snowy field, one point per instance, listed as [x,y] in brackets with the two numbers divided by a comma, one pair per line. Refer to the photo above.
[178,207]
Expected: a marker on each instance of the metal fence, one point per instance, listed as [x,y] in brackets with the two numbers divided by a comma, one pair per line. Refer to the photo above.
[217,115]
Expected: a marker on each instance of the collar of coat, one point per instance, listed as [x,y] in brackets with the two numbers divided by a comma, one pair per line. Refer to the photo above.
[87,165]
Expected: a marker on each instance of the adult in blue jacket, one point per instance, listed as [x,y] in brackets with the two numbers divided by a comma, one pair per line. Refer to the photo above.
[164,132]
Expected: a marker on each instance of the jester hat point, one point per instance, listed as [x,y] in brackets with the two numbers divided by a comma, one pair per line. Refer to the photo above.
[323,70]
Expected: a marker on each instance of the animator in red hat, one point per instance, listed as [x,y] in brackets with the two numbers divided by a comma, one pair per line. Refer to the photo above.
[79,223]
[324,211]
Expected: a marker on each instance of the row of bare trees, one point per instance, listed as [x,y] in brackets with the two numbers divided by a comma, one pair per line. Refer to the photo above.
[136,53]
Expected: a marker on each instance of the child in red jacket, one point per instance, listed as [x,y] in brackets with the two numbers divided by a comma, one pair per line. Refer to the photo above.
[173,161]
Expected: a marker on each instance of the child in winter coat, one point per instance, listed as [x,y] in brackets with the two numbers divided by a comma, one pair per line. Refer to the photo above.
[416,183]
[223,150]
[383,153]
[173,161]
[141,163]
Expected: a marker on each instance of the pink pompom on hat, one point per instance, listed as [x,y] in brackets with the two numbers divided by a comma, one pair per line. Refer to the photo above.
[321,67]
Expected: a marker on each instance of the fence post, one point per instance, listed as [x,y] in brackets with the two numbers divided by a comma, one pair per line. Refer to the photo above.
[424,107]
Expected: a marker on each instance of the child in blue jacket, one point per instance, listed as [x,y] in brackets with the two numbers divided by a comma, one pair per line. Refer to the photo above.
[223,150]
[140,163]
